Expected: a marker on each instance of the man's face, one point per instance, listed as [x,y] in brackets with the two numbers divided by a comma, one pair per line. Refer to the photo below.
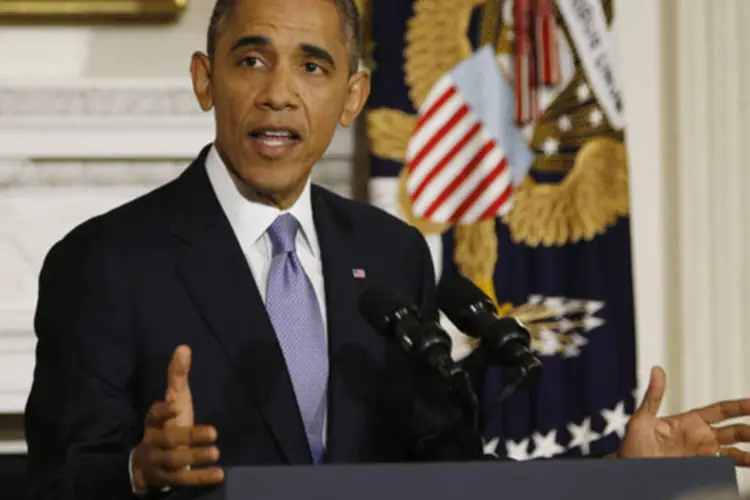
[280,85]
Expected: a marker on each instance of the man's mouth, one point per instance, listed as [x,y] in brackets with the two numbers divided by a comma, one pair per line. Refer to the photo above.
[274,143]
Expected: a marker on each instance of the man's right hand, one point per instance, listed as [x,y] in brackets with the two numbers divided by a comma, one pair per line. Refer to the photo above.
[172,443]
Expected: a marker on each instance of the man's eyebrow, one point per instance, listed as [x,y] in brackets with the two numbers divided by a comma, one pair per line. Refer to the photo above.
[251,41]
[308,49]
[318,53]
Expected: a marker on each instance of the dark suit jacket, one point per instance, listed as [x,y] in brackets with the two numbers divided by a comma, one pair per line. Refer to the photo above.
[122,290]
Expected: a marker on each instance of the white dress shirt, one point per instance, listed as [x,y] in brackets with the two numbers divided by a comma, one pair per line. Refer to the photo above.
[250,217]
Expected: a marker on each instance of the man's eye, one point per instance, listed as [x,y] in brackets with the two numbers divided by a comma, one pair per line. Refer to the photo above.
[251,62]
[313,68]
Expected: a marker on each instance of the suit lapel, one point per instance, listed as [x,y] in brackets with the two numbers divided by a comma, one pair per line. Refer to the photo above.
[351,343]
[217,277]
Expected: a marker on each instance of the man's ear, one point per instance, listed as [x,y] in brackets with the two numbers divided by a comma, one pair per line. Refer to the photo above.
[359,92]
[200,70]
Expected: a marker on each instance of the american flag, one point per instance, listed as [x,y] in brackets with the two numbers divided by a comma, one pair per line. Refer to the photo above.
[457,171]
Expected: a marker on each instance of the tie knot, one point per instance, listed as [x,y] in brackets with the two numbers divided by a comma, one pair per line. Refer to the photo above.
[283,233]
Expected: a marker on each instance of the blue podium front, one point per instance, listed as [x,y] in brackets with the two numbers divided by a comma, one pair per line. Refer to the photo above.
[570,479]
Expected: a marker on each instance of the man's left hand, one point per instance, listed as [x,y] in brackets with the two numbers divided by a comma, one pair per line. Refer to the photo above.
[686,434]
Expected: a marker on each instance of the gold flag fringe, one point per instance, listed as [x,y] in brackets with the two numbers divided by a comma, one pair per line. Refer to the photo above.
[436,43]
[365,12]
[583,205]
[389,131]
[364,8]
[476,254]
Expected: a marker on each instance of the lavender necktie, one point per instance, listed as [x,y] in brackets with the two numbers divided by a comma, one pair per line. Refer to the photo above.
[296,317]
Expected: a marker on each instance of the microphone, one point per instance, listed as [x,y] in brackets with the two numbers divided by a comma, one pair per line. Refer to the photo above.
[396,319]
[505,341]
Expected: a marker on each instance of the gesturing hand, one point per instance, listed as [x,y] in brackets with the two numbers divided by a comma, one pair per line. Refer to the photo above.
[686,434]
[172,443]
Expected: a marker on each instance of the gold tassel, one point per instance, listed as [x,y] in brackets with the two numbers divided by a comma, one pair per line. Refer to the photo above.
[389,131]
[476,254]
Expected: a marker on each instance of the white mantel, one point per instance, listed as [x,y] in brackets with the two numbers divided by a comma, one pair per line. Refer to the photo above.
[75,148]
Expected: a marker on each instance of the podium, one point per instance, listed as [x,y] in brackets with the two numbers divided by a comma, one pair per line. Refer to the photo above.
[569,479]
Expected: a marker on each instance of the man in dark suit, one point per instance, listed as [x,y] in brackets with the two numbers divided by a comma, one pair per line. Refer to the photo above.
[240,275]
[214,321]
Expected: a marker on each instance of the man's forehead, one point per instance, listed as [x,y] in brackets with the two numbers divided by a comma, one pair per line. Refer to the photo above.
[288,23]
[308,15]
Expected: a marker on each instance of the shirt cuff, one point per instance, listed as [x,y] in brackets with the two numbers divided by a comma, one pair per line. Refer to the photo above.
[130,475]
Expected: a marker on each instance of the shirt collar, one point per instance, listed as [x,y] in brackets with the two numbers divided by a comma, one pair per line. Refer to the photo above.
[249,214]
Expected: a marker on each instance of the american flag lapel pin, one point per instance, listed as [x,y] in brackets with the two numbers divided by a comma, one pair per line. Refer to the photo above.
[359,273]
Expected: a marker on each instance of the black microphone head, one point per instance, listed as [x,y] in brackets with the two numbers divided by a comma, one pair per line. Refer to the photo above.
[398,320]
[381,307]
[506,339]
[458,298]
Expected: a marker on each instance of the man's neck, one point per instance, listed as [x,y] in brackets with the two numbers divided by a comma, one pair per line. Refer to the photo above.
[281,200]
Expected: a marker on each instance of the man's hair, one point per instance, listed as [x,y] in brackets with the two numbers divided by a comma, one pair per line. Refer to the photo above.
[350,20]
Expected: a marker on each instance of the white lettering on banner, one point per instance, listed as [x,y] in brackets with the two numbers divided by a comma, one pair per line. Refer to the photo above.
[588,28]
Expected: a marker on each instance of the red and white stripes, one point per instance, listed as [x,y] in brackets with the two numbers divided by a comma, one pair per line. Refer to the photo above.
[457,172]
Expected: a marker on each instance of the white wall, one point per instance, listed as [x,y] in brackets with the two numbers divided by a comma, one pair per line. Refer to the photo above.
[120,52]
[640,31]
[149,51]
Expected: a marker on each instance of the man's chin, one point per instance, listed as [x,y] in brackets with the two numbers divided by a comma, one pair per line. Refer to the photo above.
[274,189]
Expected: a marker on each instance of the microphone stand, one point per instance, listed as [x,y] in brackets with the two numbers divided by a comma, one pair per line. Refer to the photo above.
[466,398]
[455,382]
[511,388]
[521,375]
[427,342]
[434,348]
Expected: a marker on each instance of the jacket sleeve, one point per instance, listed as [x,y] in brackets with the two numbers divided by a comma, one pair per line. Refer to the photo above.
[80,419]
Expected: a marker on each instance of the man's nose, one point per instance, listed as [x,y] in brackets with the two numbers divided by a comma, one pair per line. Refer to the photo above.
[279,92]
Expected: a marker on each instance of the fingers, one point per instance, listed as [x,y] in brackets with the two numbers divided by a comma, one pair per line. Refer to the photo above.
[739,457]
[179,369]
[159,413]
[178,388]
[731,434]
[655,392]
[193,477]
[174,437]
[177,459]
[177,456]
[725,410]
